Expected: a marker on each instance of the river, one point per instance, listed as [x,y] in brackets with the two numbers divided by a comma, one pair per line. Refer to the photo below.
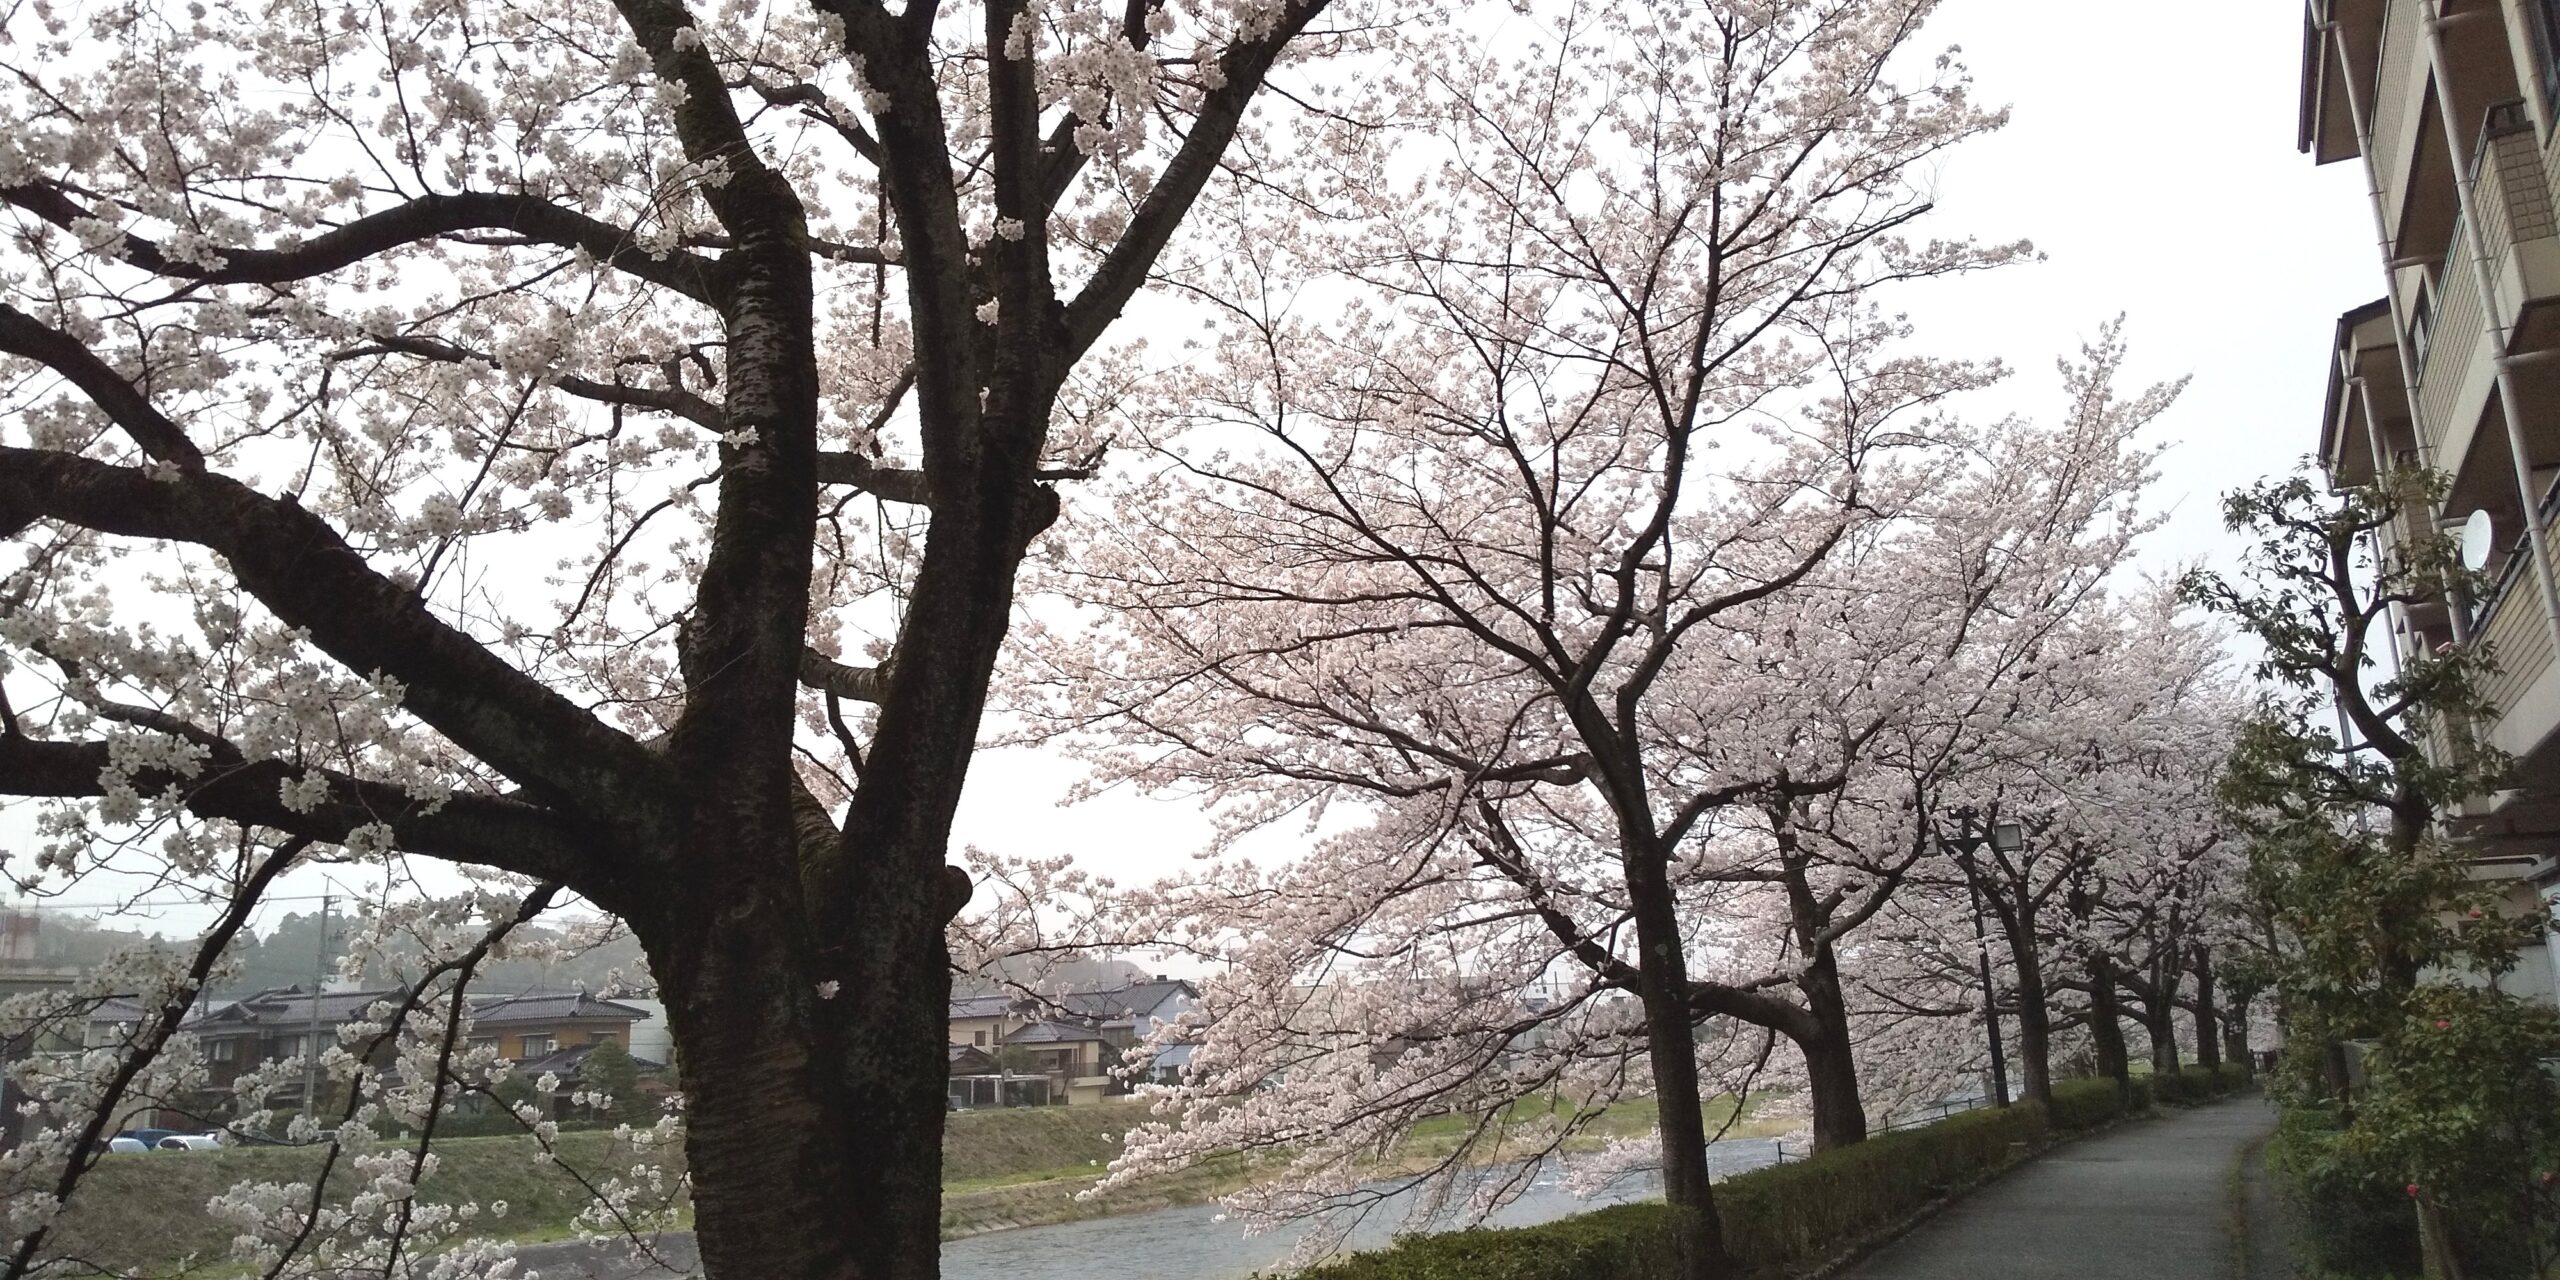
[1192,1242]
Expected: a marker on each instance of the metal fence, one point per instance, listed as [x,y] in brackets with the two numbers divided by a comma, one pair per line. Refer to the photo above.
[1928,1115]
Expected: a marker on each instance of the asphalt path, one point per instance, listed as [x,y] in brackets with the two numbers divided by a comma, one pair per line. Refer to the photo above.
[2148,1201]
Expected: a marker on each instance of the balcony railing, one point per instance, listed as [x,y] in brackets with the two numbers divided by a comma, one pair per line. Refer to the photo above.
[2513,197]
[2401,38]
[2510,619]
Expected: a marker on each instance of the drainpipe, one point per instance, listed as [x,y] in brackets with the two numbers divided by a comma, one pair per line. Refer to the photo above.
[2363,390]
[2360,118]
[2431,14]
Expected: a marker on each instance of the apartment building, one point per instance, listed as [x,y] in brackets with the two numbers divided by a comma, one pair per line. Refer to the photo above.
[2451,110]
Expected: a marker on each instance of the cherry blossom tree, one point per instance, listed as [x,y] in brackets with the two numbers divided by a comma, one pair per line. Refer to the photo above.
[592,442]
[1495,538]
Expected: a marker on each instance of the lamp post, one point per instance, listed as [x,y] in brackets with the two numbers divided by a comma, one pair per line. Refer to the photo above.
[2004,837]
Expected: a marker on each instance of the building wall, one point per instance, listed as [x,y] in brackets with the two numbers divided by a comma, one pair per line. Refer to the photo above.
[650,1037]
[981,1033]
[564,1033]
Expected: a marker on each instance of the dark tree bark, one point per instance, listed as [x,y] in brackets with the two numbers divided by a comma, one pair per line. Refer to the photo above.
[2013,904]
[2160,1019]
[1672,1049]
[814,1123]
[1830,1059]
[2106,1025]
[2208,1023]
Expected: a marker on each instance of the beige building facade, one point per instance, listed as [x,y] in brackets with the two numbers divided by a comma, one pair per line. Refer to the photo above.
[2450,110]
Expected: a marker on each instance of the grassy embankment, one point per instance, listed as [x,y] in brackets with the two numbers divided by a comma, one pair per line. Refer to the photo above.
[1001,1169]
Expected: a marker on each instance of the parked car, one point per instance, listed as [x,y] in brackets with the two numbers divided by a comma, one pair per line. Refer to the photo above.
[191,1142]
[149,1138]
[122,1145]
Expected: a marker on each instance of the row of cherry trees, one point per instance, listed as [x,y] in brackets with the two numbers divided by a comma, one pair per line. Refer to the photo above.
[1565,545]
[595,444]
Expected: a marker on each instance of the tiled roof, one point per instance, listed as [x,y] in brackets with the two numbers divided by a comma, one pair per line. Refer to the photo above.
[293,1007]
[549,1006]
[1119,1004]
[1125,1002]
[987,1006]
[566,1063]
[1050,1033]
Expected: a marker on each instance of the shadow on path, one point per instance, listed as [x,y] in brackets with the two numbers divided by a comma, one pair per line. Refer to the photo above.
[2149,1201]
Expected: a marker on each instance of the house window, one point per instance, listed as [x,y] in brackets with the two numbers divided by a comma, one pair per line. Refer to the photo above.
[221,1050]
[981,1039]
[536,1046]
[605,1037]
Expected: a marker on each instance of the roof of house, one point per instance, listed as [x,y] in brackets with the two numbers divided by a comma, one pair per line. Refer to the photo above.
[969,1060]
[550,1006]
[995,1005]
[1119,1004]
[567,1063]
[1124,1002]
[293,1007]
[117,1009]
[1046,1032]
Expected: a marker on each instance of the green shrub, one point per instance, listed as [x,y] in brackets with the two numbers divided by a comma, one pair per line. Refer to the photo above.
[2346,1222]
[2197,1084]
[1802,1212]
[1773,1218]
[2086,1104]
[1623,1242]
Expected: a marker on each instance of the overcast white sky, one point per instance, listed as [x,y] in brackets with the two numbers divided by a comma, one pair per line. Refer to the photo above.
[2151,157]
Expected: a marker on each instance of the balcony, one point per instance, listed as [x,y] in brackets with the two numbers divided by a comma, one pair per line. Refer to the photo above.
[2511,621]
[2519,235]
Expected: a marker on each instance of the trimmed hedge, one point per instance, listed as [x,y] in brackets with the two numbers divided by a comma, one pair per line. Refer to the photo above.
[1803,1212]
[2197,1084]
[2087,1104]
[1774,1218]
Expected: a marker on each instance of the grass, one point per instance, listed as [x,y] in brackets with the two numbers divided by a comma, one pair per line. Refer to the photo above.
[148,1211]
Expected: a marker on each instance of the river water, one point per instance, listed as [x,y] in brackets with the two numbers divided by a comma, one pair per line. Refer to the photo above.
[1193,1242]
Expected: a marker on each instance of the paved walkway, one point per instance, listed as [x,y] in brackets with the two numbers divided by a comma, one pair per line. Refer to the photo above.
[2150,1201]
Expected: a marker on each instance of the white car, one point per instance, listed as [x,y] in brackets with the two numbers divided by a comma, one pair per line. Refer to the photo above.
[126,1146]
[192,1142]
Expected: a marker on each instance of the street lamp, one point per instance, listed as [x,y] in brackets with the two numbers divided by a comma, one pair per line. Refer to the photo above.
[2004,837]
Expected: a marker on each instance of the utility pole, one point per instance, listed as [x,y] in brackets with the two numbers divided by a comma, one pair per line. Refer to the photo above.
[1990,995]
[1970,835]
[311,1034]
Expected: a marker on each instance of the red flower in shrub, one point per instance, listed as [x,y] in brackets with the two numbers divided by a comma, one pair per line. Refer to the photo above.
[2413,1190]
[2442,1025]
[2549,1177]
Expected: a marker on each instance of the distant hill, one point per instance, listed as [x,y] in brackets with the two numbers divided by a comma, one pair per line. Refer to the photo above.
[288,952]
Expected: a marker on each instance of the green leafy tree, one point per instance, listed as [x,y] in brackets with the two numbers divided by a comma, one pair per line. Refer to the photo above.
[609,1070]
[2374,916]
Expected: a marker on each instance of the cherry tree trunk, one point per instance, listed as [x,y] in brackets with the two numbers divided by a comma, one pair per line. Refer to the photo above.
[2106,1026]
[1830,1060]
[2207,1021]
[2160,1019]
[2035,1015]
[812,1070]
[1830,1057]
[2035,1032]
[1672,1046]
